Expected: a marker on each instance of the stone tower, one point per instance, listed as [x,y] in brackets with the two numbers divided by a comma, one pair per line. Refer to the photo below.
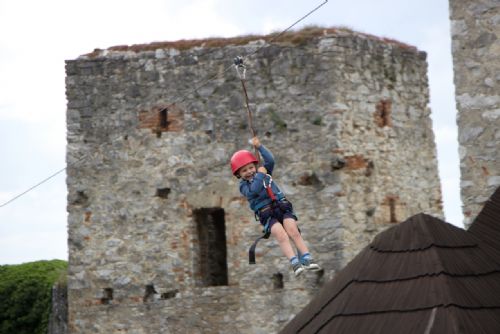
[158,233]
[475,30]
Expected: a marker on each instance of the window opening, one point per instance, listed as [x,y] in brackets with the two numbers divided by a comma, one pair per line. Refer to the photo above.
[149,294]
[162,192]
[107,296]
[211,264]
[164,118]
[392,209]
[169,294]
[383,113]
[278,281]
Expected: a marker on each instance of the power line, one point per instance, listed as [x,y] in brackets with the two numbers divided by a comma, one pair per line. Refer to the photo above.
[179,100]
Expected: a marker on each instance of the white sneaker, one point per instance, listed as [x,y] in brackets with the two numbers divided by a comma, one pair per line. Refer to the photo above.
[297,269]
[309,264]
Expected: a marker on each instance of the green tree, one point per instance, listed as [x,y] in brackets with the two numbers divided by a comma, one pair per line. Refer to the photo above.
[25,295]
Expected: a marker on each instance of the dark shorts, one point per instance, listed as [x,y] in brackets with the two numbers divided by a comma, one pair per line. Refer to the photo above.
[274,213]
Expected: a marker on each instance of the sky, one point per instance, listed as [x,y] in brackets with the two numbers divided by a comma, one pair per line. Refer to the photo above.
[38,36]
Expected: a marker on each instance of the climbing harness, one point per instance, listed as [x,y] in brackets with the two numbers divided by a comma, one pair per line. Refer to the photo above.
[267,231]
[273,206]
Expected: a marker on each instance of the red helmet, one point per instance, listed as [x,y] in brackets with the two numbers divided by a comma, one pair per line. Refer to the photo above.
[240,159]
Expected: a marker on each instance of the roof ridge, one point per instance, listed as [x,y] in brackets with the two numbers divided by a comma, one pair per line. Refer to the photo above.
[432,245]
[405,311]
[421,231]
[444,273]
[442,305]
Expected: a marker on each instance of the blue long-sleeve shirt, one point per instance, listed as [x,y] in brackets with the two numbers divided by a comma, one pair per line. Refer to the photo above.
[254,189]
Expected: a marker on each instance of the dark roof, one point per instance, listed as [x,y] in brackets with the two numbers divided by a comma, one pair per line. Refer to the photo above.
[421,276]
[486,226]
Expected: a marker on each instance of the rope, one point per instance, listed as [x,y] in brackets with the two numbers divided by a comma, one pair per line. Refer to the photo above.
[179,100]
[250,125]
[241,70]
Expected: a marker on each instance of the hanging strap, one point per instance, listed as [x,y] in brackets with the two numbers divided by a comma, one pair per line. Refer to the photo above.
[251,251]
[266,235]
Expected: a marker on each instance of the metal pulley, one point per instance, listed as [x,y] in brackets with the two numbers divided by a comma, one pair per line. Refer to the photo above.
[240,67]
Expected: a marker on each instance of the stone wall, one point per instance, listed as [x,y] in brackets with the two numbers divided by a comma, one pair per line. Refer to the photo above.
[58,318]
[475,29]
[347,118]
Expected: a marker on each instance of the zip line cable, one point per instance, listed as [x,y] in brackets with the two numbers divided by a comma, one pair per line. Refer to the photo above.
[226,69]
[289,27]
[179,100]
[40,183]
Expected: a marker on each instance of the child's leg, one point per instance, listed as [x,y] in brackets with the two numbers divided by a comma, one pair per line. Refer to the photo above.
[281,236]
[292,230]
[278,231]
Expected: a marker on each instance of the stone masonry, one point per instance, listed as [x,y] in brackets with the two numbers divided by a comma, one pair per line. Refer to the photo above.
[158,232]
[475,30]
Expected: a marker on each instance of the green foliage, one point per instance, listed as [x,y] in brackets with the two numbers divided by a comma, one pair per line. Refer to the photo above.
[25,295]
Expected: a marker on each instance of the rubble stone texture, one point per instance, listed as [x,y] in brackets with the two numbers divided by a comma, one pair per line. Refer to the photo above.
[149,184]
[475,30]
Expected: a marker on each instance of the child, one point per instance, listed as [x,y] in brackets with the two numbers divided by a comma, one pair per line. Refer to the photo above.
[270,204]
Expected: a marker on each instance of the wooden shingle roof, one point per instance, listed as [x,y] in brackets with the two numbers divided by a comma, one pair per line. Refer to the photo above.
[486,226]
[421,276]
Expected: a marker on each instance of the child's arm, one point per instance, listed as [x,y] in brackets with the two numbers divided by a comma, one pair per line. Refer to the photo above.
[267,156]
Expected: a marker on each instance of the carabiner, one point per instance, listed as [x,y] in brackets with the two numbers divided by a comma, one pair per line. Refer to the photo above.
[269,183]
[268,188]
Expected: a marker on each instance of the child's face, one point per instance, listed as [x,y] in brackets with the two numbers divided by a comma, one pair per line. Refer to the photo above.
[248,171]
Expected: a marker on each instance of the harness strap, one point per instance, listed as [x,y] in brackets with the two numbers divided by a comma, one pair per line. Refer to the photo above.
[266,235]
[251,251]
[267,231]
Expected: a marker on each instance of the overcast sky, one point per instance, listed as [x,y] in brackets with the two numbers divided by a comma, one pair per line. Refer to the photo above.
[38,36]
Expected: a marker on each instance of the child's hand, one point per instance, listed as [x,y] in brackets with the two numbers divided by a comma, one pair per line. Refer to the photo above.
[256,142]
[262,169]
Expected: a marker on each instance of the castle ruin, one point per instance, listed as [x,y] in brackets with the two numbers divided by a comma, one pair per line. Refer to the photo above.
[158,232]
